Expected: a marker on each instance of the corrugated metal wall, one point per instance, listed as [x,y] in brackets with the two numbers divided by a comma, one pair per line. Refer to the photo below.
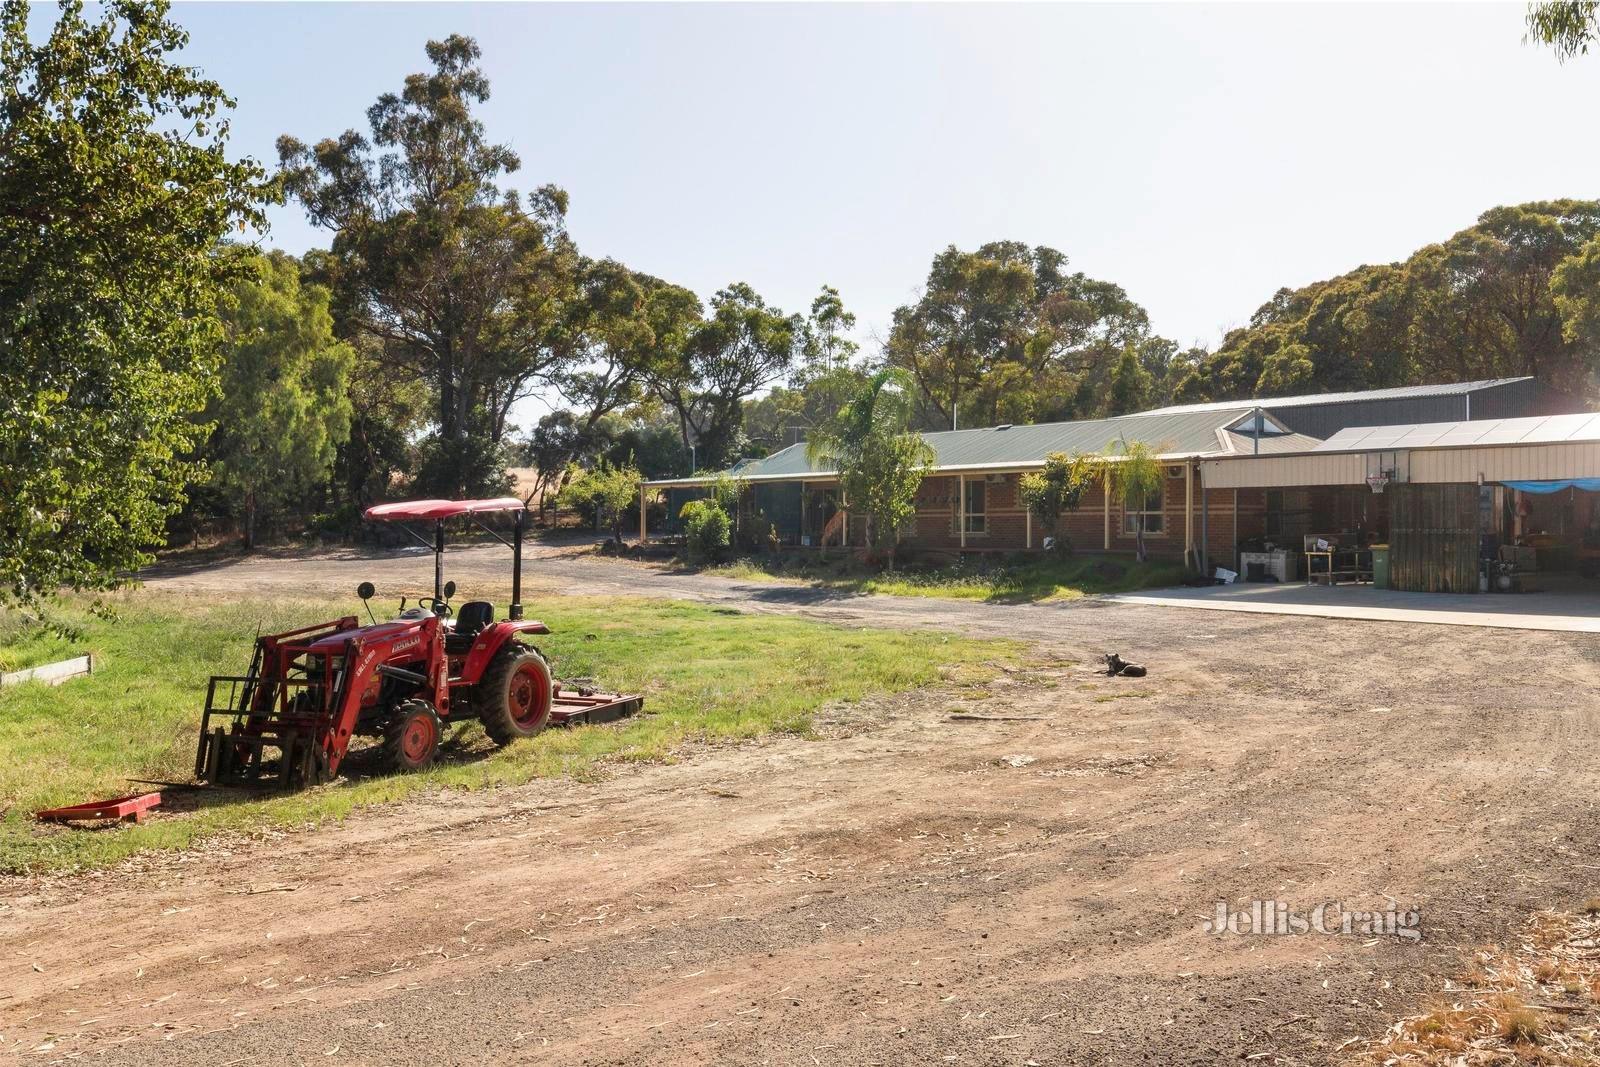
[1508,401]
[1324,420]
[1577,460]
[1516,400]
[1427,466]
[1434,538]
[1274,472]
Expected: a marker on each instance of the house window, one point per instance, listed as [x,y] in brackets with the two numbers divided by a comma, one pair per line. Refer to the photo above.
[977,507]
[1152,516]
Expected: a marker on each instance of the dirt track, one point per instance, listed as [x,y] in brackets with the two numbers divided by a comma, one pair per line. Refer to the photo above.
[899,892]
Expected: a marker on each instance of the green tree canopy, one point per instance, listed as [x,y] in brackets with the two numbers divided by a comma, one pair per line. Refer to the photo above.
[1576,288]
[827,375]
[1480,305]
[824,346]
[784,415]
[389,407]
[1130,384]
[1005,334]
[604,492]
[620,326]
[458,280]
[743,345]
[285,405]
[1568,26]
[116,193]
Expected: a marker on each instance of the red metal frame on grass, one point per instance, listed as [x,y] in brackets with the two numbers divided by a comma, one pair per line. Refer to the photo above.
[133,806]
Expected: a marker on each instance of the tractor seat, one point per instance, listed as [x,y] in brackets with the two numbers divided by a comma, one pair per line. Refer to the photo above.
[470,621]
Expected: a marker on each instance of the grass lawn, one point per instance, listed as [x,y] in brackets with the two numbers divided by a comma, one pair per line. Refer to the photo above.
[24,644]
[709,674]
[1028,578]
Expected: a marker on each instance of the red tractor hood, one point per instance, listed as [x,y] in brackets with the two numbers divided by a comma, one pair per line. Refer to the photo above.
[335,643]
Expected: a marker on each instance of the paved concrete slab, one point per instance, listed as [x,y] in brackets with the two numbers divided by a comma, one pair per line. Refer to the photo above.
[1575,610]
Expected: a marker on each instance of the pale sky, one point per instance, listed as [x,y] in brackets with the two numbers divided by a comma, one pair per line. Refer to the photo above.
[1200,155]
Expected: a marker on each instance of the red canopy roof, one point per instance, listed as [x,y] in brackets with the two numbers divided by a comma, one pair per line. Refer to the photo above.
[440,509]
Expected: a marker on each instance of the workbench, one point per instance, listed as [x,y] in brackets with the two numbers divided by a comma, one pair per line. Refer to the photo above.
[1338,565]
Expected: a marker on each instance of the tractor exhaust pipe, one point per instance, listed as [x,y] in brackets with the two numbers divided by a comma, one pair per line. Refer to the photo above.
[516,566]
[438,561]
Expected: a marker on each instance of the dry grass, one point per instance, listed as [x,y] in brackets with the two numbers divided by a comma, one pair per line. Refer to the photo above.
[1537,1002]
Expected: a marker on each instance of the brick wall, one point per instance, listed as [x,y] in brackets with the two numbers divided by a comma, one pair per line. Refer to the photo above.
[1007,524]
[1231,514]
[935,525]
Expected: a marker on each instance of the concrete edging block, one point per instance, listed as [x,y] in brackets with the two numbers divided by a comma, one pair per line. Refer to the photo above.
[51,673]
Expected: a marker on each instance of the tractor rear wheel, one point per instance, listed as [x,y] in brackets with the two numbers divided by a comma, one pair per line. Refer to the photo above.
[411,739]
[514,696]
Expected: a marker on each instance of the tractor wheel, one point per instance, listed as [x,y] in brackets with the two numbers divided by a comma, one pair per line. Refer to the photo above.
[412,738]
[514,696]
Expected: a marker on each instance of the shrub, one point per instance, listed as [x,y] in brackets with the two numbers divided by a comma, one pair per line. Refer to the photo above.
[604,495]
[705,531]
[1055,491]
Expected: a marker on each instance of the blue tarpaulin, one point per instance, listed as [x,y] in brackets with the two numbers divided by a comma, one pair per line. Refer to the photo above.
[1588,485]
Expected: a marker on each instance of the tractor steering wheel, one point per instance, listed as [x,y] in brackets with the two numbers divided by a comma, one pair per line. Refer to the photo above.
[423,600]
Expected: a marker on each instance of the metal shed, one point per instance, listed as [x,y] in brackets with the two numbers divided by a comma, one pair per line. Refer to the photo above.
[1452,491]
[1324,414]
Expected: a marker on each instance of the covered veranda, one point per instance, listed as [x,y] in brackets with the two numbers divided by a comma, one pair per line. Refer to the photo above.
[1498,504]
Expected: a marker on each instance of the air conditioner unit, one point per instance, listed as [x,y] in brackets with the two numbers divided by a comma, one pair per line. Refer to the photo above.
[1174,471]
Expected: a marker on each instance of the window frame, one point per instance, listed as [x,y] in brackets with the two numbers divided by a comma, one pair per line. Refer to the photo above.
[1130,525]
[981,515]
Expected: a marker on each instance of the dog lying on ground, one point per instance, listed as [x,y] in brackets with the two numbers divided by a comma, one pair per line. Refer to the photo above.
[1115,664]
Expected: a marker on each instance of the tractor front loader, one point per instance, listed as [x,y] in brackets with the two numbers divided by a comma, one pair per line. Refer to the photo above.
[289,721]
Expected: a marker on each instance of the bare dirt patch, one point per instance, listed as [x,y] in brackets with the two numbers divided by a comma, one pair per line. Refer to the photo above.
[899,891]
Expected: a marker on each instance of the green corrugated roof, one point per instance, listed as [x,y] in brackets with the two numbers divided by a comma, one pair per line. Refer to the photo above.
[1175,434]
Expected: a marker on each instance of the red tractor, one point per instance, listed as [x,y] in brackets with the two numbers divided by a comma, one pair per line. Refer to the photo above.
[310,691]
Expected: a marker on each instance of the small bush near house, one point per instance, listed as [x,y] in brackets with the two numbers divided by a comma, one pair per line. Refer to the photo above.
[705,531]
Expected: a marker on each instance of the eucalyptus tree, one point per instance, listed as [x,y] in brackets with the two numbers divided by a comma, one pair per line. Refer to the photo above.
[462,282]
[742,346]
[284,406]
[1497,299]
[1568,26]
[620,326]
[826,345]
[1005,333]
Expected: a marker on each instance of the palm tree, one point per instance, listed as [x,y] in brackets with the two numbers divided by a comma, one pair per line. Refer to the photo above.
[881,405]
[880,463]
[1132,480]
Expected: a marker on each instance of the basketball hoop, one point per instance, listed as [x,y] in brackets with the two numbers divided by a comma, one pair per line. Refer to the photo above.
[1376,482]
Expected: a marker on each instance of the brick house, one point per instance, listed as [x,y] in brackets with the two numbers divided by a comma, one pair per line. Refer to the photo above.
[968,503]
